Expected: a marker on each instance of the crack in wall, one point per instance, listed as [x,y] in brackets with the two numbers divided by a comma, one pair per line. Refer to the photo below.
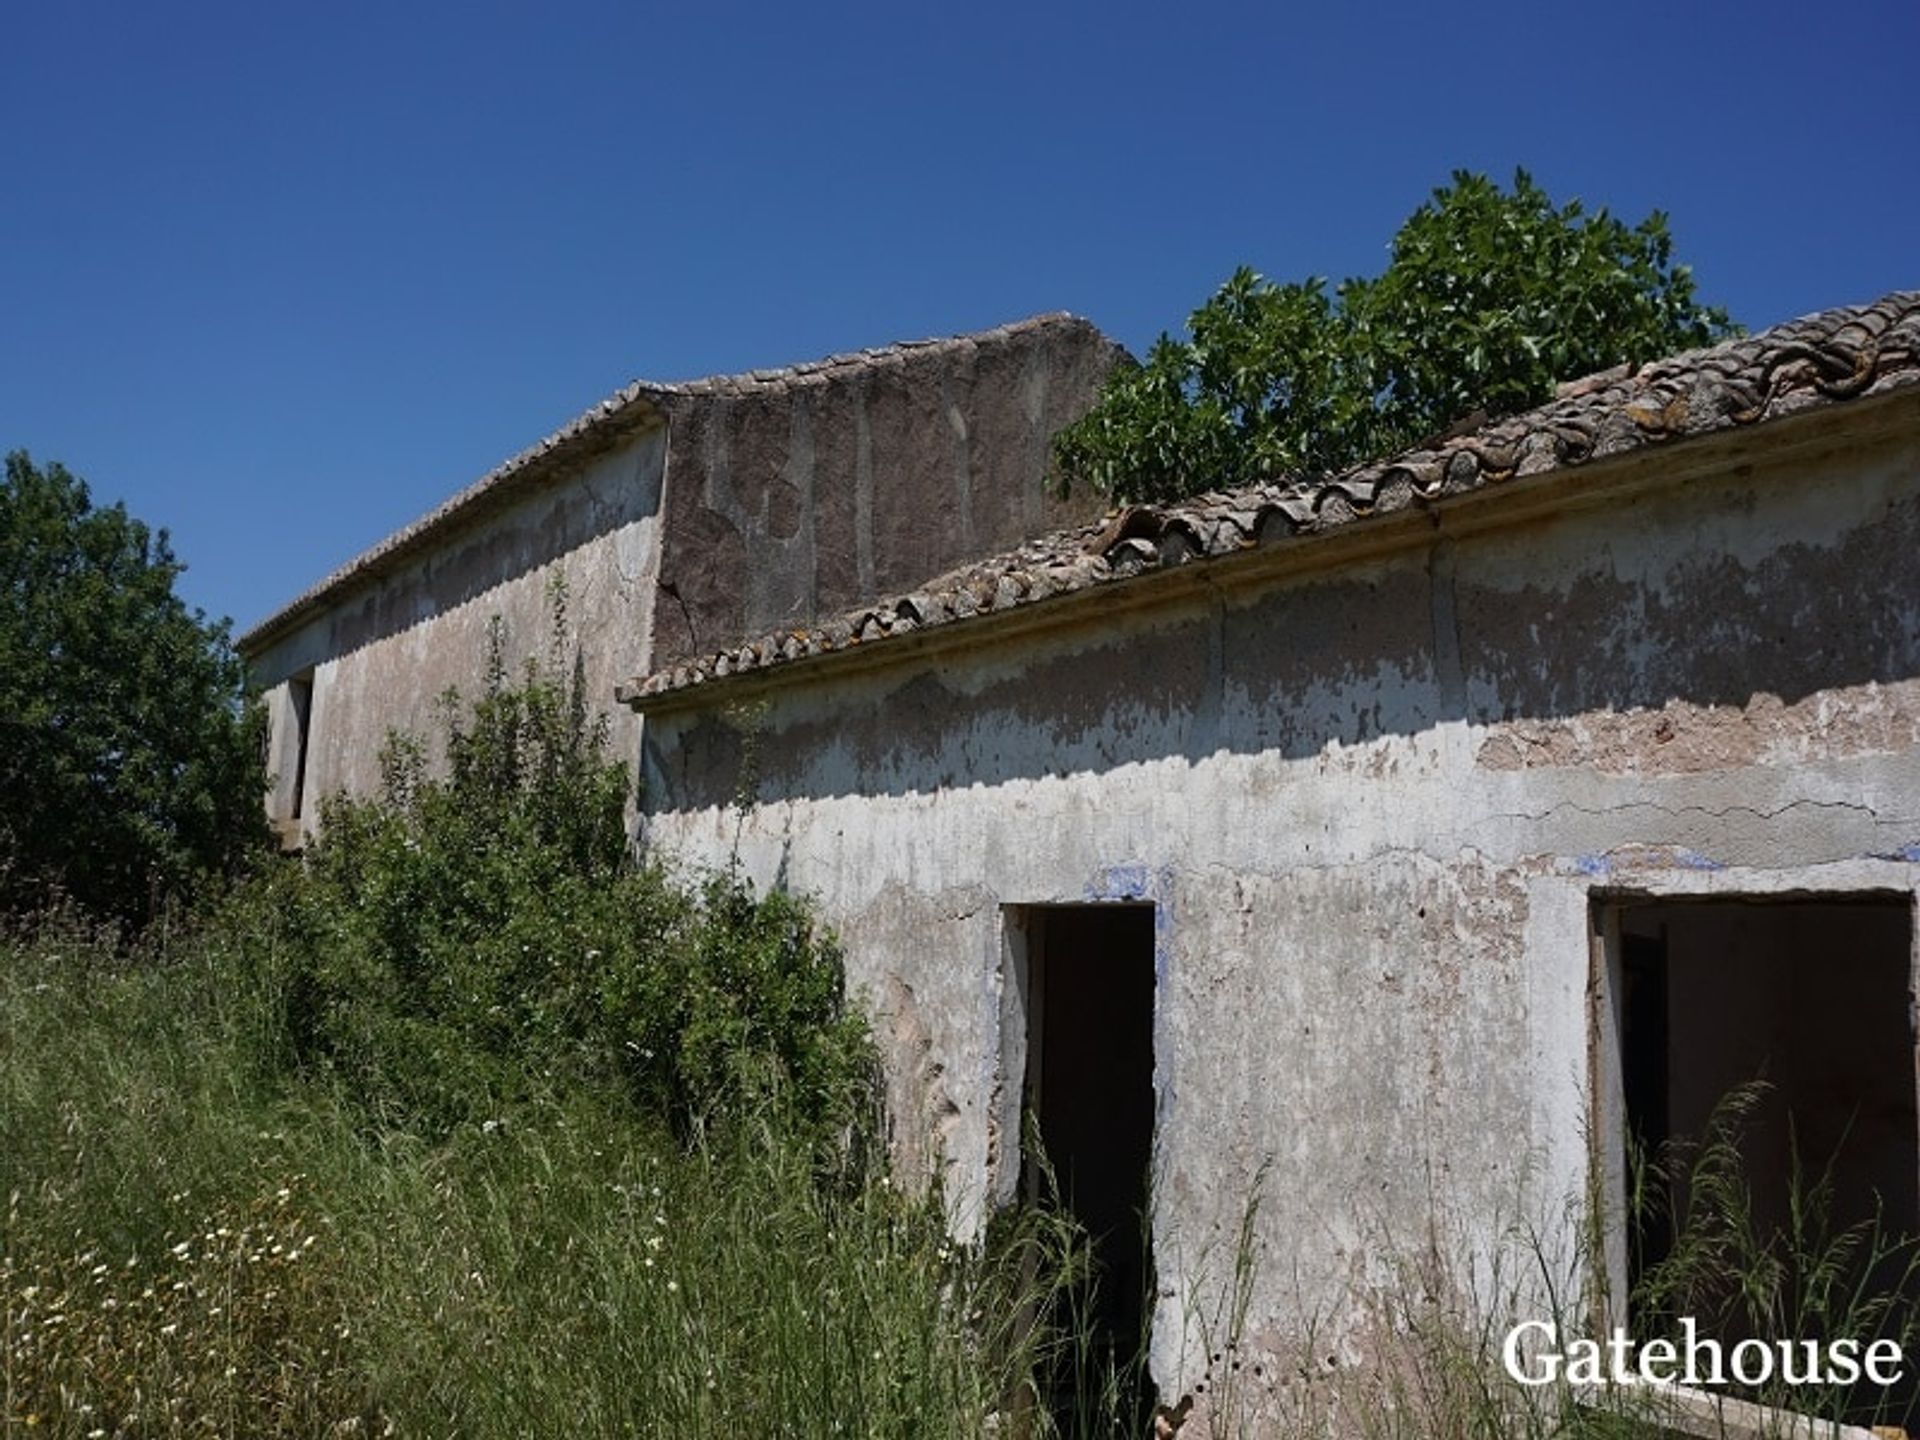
[1676,812]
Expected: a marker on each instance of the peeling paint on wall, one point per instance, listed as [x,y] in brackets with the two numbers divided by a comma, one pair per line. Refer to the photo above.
[1371,883]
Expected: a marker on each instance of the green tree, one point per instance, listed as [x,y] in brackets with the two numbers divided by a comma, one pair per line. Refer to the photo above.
[1490,297]
[130,760]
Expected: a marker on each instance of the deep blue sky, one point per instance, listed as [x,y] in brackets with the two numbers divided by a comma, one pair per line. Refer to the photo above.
[282,278]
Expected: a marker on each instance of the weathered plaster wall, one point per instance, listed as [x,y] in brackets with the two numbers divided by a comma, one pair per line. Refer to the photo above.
[380,659]
[758,502]
[1374,805]
[789,503]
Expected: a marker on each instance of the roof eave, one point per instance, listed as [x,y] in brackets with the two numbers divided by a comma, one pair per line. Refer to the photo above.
[633,411]
[1838,360]
[1500,504]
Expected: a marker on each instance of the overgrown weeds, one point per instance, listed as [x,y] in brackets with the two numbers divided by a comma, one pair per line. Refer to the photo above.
[191,1251]
[1809,1277]
[455,937]
[469,1124]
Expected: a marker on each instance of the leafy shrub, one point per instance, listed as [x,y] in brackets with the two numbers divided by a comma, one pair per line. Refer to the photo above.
[465,936]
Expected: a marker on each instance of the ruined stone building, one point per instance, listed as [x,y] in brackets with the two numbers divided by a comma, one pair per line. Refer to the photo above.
[1393,844]
[1396,842]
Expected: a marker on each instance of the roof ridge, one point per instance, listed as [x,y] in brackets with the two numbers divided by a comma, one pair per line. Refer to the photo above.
[1817,360]
[633,407]
[848,362]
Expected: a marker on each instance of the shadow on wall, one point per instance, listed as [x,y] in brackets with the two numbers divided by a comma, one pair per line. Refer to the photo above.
[1392,648]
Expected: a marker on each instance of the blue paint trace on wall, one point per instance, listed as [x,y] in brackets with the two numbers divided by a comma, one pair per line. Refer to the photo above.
[1908,853]
[1694,860]
[1136,882]
[1124,882]
[1602,865]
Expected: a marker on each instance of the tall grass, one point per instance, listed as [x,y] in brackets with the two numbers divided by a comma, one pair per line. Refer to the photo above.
[1414,1350]
[202,1237]
[165,1266]
[193,1245]
[1806,1277]
[470,1124]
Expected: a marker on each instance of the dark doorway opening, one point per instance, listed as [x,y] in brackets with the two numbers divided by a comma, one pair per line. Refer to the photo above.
[1090,1093]
[1812,998]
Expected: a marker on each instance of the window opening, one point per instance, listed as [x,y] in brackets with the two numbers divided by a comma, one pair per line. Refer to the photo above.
[300,700]
[1810,997]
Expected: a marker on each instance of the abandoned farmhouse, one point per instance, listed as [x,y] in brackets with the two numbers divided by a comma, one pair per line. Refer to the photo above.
[1397,843]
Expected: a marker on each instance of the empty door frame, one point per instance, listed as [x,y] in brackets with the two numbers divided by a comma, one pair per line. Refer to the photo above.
[1077,1055]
